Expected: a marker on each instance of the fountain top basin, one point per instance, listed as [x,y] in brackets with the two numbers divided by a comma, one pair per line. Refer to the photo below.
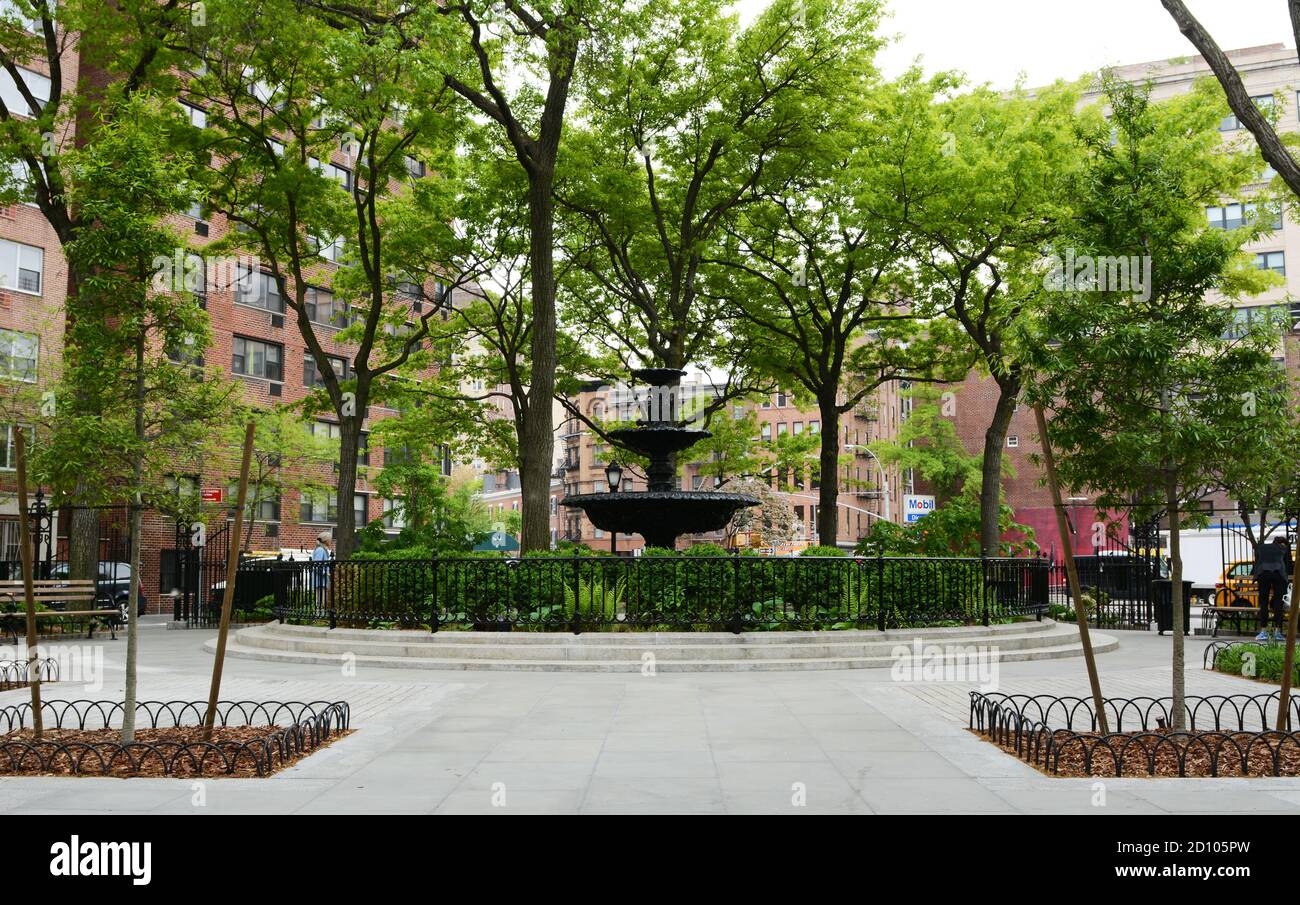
[659,377]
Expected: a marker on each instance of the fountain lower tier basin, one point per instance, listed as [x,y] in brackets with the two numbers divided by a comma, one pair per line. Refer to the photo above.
[660,516]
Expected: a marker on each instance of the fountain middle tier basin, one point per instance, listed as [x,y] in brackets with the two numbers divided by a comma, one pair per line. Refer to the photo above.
[655,440]
[660,516]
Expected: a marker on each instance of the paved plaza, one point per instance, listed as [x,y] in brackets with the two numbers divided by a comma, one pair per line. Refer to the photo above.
[849,741]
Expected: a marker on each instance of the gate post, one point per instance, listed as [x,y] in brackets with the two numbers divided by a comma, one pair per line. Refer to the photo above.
[577,594]
[433,599]
[880,587]
[737,615]
[984,591]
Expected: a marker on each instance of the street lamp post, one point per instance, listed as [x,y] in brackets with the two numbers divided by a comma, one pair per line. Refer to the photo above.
[613,477]
[884,477]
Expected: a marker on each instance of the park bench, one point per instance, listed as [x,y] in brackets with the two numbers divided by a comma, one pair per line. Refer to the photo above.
[63,598]
[1235,614]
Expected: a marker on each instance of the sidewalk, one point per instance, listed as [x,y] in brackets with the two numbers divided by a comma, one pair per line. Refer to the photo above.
[808,742]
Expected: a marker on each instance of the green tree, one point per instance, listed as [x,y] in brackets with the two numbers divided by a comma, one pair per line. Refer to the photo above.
[683,122]
[733,452]
[351,249]
[1149,381]
[130,43]
[993,193]
[822,267]
[140,412]
[927,444]
[287,455]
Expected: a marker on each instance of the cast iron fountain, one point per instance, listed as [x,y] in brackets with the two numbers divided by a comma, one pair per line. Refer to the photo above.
[662,512]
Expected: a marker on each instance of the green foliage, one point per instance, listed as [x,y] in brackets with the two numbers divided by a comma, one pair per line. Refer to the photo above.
[952,529]
[1269,661]
[596,599]
[133,417]
[441,514]
[927,443]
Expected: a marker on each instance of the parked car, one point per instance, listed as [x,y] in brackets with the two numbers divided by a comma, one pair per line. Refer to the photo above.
[114,585]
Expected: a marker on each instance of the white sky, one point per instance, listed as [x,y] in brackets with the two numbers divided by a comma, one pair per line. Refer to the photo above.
[997,40]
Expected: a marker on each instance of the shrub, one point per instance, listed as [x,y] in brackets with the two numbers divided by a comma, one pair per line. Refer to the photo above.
[1269,661]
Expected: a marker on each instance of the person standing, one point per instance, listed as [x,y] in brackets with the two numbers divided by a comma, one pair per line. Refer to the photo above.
[320,568]
[1272,566]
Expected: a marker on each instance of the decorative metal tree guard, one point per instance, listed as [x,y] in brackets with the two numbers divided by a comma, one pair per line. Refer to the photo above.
[662,512]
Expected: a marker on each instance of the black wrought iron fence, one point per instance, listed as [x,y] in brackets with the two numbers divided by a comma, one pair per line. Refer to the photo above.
[583,593]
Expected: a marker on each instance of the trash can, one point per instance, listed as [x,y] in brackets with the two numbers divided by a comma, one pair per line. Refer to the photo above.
[1163,589]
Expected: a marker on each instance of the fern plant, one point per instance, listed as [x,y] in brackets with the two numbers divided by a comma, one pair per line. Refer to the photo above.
[596,599]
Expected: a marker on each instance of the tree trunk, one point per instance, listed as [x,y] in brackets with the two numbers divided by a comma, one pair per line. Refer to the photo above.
[537,443]
[1072,572]
[83,539]
[345,530]
[828,496]
[1179,714]
[133,586]
[83,528]
[995,438]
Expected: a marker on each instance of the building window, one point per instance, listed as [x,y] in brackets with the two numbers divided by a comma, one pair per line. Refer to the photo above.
[326,430]
[7,433]
[1243,317]
[1271,260]
[360,509]
[414,167]
[253,358]
[1234,215]
[38,85]
[321,509]
[394,517]
[197,116]
[184,353]
[259,290]
[766,432]
[329,249]
[266,509]
[21,266]
[311,373]
[323,308]
[781,429]
[1230,123]
[30,23]
[814,427]
[18,355]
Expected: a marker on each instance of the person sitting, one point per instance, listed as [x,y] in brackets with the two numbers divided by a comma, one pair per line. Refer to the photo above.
[1272,566]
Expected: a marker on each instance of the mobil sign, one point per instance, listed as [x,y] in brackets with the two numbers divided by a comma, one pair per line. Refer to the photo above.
[916,505]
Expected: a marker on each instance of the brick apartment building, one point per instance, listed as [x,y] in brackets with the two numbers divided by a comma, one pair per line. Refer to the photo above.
[1272,76]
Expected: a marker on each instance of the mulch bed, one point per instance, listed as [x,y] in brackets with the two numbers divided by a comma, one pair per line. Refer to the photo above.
[1195,750]
[234,751]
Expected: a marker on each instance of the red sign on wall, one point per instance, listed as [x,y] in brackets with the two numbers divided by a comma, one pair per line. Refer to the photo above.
[211,495]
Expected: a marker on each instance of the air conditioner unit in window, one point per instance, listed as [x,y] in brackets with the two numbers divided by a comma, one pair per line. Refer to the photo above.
[276,389]
[277,321]
[272,530]
[200,228]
